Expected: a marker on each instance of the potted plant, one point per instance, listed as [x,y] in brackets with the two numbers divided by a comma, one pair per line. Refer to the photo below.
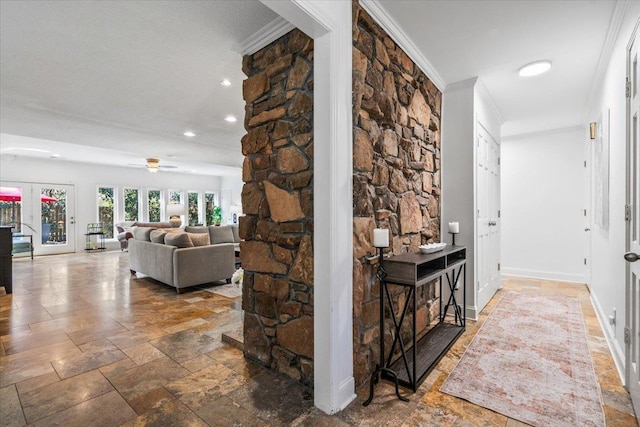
[217,215]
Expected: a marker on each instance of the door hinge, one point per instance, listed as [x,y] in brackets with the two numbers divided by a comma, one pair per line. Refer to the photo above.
[498,161]
[585,212]
[498,266]
[627,336]
[628,88]
[627,213]
[498,213]
[585,261]
[585,163]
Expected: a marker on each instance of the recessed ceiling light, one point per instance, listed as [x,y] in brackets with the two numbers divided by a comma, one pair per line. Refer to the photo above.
[230,119]
[225,82]
[189,134]
[534,68]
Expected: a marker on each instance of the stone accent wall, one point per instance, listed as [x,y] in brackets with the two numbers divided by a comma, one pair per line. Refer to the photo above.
[396,177]
[277,199]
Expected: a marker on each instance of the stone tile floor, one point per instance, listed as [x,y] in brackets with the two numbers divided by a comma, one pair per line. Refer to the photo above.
[82,343]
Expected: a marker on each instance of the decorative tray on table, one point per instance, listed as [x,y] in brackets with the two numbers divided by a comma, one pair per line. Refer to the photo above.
[432,247]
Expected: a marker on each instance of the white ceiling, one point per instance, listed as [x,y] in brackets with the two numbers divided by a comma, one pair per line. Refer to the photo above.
[129,77]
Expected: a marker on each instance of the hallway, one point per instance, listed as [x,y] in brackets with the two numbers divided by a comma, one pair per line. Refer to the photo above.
[84,343]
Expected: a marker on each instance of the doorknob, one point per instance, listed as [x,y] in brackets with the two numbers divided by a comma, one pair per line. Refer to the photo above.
[631,257]
[587,229]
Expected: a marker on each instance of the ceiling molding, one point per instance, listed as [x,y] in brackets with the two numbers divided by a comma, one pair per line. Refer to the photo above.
[615,26]
[490,101]
[265,35]
[527,135]
[463,84]
[377,12]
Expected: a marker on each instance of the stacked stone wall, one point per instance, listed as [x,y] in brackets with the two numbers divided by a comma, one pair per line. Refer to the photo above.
[277,200]
[396,177]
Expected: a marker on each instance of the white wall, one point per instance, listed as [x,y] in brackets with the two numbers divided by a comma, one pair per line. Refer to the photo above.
[608,246]
[542,202]
[231,197]
[464,105]
[87,177]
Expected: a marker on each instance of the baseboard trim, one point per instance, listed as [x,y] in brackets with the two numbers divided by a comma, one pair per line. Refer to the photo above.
[612,343]
[549,275]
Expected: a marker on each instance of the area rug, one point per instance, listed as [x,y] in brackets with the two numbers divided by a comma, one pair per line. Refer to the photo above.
[530,361]
[229,291]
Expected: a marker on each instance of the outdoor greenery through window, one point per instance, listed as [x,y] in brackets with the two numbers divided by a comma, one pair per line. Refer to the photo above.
[106,210]
[175,196]
[154,205]
[210,208]
[193,208]
[131,204]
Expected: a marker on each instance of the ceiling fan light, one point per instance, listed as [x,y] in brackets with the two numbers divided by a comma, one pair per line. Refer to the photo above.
[152,169]
[534,68]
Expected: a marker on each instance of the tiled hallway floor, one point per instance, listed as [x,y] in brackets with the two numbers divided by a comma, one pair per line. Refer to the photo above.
[82,343]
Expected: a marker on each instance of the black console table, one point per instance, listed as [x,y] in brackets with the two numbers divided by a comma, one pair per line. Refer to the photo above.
[6,273]
[418,358]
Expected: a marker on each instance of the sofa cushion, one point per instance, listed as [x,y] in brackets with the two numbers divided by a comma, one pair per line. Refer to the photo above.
[196,229]
[154,224]
[180,240]
[157,235]
[220,234]
[142,233]
[199,239]
[236,234]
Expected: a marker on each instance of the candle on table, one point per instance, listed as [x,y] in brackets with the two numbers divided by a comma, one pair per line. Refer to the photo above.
[380,237]
[454,227]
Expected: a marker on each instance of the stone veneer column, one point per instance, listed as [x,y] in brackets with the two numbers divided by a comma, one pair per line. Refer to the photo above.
[277,199]
[396,179]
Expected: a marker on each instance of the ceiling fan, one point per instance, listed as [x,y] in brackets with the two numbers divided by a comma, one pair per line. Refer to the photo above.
[153,165]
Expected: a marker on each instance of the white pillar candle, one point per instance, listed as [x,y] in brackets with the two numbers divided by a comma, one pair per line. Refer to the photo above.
[380,238]
[454,227]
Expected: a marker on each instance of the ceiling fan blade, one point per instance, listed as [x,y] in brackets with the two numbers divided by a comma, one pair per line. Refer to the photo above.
[167,167]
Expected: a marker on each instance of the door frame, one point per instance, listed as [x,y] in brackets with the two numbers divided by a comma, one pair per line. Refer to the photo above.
[31,214]
[631,384]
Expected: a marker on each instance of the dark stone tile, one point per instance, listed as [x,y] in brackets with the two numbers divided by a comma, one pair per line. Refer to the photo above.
[185,345]
[48,400]
[167,411]
[139,380]
[10,407]
[273,397]
[199,389]
[110,409]
[87,361]
[225,412]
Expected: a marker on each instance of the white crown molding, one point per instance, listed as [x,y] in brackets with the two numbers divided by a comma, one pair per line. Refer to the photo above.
[382,17]
[605,54]
[462,84]
[490,101]
[265,35]
[526,135]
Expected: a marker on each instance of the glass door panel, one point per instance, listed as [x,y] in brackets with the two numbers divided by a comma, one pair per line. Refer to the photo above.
[56,218]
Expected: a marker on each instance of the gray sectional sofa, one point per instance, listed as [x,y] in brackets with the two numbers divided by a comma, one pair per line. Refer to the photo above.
[183,258]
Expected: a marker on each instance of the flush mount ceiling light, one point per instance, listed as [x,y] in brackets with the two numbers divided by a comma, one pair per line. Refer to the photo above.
[230,119]
[189,134]
[225,82]
[534,68]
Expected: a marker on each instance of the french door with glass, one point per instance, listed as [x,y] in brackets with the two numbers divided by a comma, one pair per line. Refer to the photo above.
[45,211]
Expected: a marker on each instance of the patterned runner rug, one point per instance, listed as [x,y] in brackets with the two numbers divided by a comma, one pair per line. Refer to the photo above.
[530,361]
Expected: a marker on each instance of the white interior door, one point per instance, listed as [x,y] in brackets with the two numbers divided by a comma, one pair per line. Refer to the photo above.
[632,321]
[488,205]
[587,213]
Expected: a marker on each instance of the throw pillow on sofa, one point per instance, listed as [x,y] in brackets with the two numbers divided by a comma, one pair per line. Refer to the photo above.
[157,236]
[199,239]
[196,229]
[180,240]
[220,234]
[142,233]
